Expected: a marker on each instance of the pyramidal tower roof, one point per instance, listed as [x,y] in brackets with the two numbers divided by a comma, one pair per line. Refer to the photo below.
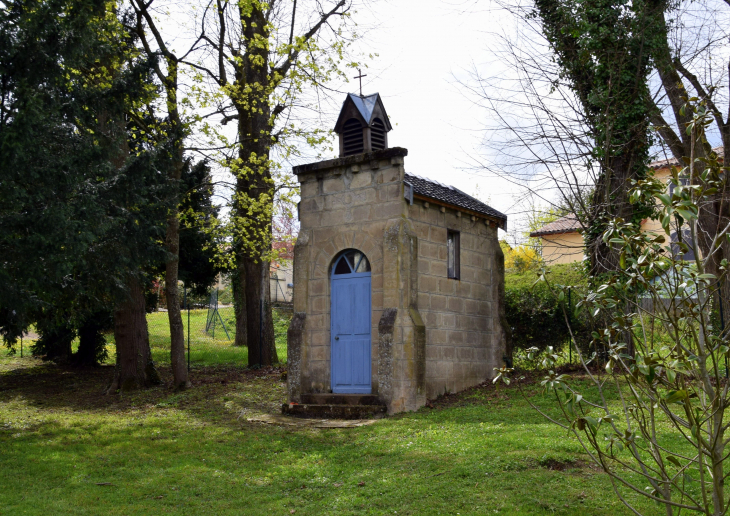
[365,105]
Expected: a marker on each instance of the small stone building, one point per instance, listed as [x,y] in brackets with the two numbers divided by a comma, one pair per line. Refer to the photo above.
[398,279]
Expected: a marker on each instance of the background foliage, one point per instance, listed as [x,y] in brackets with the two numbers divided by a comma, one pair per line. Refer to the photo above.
[534,312]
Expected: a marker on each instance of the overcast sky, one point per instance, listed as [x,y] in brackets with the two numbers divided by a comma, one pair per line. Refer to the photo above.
[425,49]
[426,52]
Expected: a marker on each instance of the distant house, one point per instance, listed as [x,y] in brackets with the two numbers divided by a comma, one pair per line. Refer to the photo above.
[281,274]
[562,242]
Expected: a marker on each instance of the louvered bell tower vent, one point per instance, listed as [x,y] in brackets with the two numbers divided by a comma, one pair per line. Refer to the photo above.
[352,137]
[363,125]
[378,135]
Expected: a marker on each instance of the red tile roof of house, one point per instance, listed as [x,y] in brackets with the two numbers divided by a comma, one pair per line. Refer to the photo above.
[567,224]
[663,163]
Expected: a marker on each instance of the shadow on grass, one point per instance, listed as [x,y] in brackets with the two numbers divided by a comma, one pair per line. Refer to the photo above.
[50,386]
[478,451]
[227,395]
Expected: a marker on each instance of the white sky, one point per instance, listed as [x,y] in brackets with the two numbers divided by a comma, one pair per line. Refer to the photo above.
[424,49]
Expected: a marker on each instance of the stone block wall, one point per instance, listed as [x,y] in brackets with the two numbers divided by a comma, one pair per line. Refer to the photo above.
[464,337]
[345,203]
[429,333]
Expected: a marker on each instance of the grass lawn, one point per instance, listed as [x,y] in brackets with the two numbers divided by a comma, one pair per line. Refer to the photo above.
[210,344]
[68,449]
[211,347]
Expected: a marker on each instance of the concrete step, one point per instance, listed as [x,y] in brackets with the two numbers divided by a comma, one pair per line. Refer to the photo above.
[340,399]
[333,411]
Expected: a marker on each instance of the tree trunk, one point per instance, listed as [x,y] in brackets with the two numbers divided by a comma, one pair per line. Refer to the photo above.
[172,239]
[714,216]
[261,348]
[134,368]
[174,314]
[91,339]
[254,189]
[238,282]
[86,354]
[611,200]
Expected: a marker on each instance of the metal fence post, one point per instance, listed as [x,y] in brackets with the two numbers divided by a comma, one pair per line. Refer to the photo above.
[722,324]
[570,344]
[186,305]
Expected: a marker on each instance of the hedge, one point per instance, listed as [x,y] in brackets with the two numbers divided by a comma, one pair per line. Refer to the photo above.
[535,314]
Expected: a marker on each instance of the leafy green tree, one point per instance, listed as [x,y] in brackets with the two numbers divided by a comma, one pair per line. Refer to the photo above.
[603,51]
[56,336]
[198,247]
[177,127]
[263,58]
[665,436]
[198,267]
[81,197]
[689,70]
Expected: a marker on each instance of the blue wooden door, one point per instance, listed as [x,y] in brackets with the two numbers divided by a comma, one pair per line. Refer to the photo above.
[351,356]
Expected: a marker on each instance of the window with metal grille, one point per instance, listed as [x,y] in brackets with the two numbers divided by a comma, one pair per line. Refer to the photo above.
[377,134]
[453,251]
[352,137]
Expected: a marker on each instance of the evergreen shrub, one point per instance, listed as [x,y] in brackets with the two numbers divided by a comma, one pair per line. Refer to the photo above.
[535,313]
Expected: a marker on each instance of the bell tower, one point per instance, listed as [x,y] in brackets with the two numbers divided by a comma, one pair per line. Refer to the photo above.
[363,125]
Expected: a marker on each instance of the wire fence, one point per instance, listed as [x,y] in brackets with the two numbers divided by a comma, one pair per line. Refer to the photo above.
[210,333]
[209,329]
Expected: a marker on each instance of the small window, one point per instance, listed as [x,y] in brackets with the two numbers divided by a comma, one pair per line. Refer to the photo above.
[454,249]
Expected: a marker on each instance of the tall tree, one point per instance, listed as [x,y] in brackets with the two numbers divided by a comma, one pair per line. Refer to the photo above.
[571,117]
[264,59]
[79,202]
[675,63]
[168,73]
[603,50]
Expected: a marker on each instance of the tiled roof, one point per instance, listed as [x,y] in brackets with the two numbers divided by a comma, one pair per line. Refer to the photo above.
[662,163]
[566,224]
[453,196]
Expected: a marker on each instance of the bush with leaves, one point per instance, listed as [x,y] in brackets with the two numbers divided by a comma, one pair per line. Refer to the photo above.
[665,437]
[534,311]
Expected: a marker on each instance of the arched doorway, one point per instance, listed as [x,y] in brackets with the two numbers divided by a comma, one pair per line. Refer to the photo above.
[350,324]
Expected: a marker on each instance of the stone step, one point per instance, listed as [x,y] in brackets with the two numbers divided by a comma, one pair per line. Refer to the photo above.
[340,399]
[333,411]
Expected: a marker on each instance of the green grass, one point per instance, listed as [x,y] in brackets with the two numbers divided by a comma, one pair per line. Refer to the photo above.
[482,452]
[207,348]
[214,346]
[211,347]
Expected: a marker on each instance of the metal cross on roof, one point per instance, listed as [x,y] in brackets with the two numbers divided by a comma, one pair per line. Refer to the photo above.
[360,76]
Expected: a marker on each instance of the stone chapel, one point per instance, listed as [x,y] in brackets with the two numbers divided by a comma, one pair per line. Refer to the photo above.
[398,280]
